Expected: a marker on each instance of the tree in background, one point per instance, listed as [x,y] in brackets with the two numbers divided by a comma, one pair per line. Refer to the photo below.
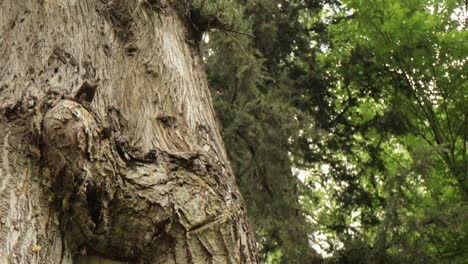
[252,77]
[398,176]
[370,98]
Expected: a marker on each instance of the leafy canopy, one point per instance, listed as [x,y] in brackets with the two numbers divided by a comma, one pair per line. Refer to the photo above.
[369,99]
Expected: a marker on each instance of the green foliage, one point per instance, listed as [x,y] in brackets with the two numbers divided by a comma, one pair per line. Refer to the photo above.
[209,15]
[255,104]
[398,83]
[369,99]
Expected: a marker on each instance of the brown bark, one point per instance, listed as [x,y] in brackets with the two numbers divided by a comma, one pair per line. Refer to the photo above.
[109,145]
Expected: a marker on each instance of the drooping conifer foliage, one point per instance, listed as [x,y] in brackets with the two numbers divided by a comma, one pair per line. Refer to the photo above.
[346,125]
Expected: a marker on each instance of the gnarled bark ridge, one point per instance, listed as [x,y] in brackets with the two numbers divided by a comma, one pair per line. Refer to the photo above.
[109,145]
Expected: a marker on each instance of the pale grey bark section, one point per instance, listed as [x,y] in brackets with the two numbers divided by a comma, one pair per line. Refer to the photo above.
[109,148]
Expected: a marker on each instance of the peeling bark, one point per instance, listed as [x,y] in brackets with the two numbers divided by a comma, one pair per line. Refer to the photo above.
[110,150]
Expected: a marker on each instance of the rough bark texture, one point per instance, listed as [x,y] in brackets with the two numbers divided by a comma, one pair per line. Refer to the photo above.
[109,149]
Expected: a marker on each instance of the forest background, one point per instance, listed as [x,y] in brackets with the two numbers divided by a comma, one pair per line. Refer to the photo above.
[346,124]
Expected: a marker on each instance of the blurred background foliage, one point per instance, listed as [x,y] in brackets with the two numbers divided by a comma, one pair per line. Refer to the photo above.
[345,123]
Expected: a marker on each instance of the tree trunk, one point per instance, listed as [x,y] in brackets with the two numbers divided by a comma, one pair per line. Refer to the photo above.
[109,147]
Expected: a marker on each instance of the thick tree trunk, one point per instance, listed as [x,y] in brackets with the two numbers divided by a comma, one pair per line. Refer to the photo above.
[109,148]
